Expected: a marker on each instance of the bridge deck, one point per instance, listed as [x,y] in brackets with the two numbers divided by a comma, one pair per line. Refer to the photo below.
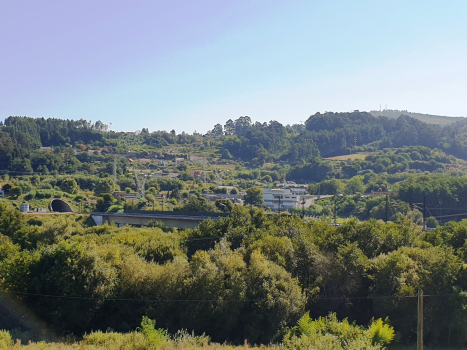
[181,221]
[159,216]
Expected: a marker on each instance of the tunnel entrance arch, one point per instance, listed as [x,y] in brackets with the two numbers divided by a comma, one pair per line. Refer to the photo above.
[60,206]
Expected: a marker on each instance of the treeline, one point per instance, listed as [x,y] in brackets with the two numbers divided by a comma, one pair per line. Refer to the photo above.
[267,142]
[334,132]
[323,135]
[248,276]
[331,134]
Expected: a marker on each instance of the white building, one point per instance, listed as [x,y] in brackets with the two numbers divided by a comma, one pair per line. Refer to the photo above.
[281,199]
[284,198]
[24,208]
[294,187]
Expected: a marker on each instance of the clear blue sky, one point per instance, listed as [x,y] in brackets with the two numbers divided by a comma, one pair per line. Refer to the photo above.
[187,65]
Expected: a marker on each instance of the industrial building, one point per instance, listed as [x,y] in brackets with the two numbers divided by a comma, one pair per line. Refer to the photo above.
[285,198]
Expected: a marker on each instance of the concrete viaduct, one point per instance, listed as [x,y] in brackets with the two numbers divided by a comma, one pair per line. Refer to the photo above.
[169,219]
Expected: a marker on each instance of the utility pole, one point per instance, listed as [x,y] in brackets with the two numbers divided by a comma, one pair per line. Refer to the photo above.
[303,208]
[355,142]
[424,211]
[420,320]
[278,197]
[335,209]
[387,205]
[115,170]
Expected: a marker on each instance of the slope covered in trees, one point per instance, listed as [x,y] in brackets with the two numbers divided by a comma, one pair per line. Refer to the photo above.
[324,135]
[248,276]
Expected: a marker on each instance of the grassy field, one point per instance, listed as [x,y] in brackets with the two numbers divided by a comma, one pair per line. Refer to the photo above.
[224,166]
[354,156]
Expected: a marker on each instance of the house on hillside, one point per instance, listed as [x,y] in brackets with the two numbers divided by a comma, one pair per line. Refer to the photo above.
[195,173]
[46,149]
[159,162]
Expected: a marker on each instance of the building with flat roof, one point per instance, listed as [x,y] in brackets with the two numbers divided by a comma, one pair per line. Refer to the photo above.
[281,199]
[294,187]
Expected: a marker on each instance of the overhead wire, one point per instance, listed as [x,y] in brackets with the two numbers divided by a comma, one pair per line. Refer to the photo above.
[369,297]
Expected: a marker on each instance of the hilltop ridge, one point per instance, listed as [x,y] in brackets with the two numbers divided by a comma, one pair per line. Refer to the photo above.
[427,118]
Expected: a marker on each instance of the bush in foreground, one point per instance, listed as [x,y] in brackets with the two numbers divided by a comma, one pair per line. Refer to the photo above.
[328,333]
[5,339]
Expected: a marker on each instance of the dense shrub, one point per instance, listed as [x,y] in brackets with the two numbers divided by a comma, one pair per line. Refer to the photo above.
[5,339]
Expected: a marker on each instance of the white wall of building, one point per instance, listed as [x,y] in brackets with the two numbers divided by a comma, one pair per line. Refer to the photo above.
[281,199]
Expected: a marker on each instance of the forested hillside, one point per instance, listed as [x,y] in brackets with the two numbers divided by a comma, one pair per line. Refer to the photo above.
[324,135]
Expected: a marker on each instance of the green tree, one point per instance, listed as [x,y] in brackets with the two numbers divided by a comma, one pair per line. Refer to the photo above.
[105,185]
[254,196]
[224,205]
[11,220]
[354,185]
[198,204]
[70,186]
[431,222]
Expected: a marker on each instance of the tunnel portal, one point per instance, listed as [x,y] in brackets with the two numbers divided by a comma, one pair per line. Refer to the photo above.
[60,206]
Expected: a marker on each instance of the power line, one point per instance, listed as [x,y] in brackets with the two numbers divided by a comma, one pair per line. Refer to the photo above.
[222,300]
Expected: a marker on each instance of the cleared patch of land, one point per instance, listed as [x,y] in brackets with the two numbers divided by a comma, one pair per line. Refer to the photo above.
[354,156]
[427,118]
